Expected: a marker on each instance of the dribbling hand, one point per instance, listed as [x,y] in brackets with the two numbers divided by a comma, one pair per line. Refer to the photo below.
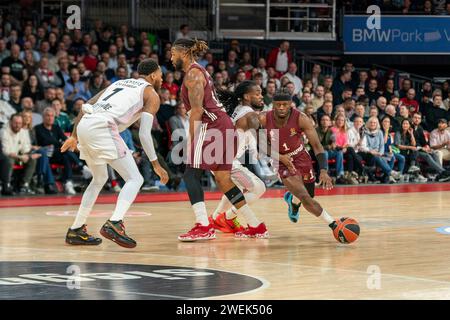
[163,176]
[70,144]
[325,180]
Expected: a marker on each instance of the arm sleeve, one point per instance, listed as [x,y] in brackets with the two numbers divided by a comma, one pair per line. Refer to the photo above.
[145,135]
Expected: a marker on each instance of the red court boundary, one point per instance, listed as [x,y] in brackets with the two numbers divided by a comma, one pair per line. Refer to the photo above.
[214,195]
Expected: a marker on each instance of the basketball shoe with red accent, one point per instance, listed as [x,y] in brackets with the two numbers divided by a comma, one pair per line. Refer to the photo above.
[199,232]
[259,232]
[226,225]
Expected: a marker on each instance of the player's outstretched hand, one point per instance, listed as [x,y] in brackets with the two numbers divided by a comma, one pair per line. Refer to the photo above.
[325,180]
[287,161]
[70,144]
[163,176]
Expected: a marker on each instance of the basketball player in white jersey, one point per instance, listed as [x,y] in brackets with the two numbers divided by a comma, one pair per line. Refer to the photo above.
[243,106]
[96,131]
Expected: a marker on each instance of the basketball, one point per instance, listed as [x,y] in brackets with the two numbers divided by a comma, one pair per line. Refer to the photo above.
[347,230]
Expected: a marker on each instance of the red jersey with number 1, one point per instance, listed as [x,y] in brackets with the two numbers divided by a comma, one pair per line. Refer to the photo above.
[290,141]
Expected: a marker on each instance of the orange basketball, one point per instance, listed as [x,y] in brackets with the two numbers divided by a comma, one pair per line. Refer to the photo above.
[347,230]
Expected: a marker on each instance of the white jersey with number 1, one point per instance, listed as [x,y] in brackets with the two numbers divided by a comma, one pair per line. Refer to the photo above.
[118,107]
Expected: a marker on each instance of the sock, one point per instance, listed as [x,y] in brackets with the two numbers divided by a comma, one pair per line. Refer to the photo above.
[201,216]
[122,207]
[81,217]
[223,206]
[296,200]
[231,213]
[249,216]
[326,217]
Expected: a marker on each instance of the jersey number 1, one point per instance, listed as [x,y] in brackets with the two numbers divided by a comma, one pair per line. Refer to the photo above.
[117,90]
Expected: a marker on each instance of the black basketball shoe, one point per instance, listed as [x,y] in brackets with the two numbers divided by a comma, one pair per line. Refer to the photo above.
[81,237]
[115,231]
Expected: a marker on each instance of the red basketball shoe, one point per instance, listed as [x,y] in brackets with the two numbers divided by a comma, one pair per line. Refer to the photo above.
[259,232]
[199,232]
[226,225]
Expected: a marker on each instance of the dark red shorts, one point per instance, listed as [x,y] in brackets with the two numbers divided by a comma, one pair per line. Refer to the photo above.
[214,146]
[303,165]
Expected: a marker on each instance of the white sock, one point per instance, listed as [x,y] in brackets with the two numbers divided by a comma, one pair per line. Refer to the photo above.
[249,216]
[223,206]
[326,217]
[295,200]
[81,217]
[231,213]
[201,216]
[122,207]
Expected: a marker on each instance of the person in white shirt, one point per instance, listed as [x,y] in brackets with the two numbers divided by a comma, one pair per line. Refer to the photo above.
[183,33]
[292,76]
[440,141]
[6,111]
[17,147]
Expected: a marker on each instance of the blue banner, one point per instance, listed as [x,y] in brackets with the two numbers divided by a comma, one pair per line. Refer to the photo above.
[397,35]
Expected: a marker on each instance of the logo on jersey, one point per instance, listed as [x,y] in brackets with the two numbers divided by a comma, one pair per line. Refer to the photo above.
[293,132]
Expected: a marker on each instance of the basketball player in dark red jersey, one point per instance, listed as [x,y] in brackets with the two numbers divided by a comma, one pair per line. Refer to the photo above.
[207,117]
[285,126]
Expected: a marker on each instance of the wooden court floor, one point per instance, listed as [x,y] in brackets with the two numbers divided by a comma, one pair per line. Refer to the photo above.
[399,255]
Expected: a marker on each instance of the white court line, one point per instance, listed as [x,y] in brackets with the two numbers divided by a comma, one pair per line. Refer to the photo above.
[235,260]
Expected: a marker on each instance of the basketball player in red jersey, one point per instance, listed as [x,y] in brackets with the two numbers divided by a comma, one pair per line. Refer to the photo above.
[207,118]
[285,126]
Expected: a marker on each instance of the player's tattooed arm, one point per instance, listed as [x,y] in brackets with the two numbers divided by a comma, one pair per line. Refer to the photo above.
[195,83]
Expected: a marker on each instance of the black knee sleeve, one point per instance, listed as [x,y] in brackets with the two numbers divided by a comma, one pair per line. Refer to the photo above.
[310,187]
[192,179]
[235,195]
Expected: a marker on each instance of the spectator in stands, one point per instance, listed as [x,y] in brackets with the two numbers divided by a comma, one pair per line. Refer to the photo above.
[43,168]
[440,141]
[292,76]
[280,58]
[390,113]
[28,105]
[425,153]
[261,68]
[49,96]
[14,97]
[410,102]
[50,135]
[328,141]
[359,112]
[305,101]
[268,97]
[434,114]
[406,85]
[17,147]
[6,112]
[172,87]
[362,81]
[346,94]
[372,149]
[315,76]
[328,83]
[232,65]
[31,65]
[5,87]
[395,101]
[392,153]
[45,76]
[4,52]
[183,33]
[340,84]
[5,168]
[318,99]
[406,142]
[325,109]
[372,93]
[15,64]
[389,90]
[374,74]
[75,88]
[63,74]
[353,160]
[381,105]
[291,89]
[359,92]
[61,118]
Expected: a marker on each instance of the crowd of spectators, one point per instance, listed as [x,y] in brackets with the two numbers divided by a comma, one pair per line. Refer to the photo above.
[373,125]
[421,7]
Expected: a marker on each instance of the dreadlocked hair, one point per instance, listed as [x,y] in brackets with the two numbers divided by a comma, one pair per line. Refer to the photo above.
[230,100]
[194,46]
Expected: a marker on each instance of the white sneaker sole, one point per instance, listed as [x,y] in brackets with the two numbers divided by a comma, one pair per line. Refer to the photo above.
[210,237]
[264,235]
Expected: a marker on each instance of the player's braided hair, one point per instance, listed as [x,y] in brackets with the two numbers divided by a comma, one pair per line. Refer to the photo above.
[231,100]
[147,66]
[194,46]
